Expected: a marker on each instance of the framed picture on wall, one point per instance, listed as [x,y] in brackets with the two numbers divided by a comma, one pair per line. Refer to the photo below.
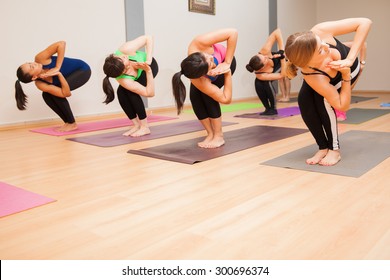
[202,6]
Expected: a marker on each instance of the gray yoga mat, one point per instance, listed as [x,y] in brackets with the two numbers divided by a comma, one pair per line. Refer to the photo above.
[354,99]
[358,115]
[116,138]
[188,152]
[360,152]
[357,99]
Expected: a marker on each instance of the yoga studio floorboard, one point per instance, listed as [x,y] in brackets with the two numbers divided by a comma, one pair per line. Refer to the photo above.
[92,196]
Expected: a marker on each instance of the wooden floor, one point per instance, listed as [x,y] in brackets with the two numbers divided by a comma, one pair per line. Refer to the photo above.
[114,205]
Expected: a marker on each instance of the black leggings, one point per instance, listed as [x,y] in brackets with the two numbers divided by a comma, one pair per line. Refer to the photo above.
[203,105]
[131,102]
[266,93]
[61,105]
[319,117]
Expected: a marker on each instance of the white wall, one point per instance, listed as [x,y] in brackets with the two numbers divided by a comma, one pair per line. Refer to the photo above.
[94,28]
[376,75]
[294,16]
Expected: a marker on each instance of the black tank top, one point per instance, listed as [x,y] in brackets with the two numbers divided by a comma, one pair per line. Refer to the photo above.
[343,50]
[277,64]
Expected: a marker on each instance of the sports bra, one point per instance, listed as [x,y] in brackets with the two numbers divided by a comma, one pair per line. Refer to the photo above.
[219,56]
[69,65]
[138,57]
[336,80]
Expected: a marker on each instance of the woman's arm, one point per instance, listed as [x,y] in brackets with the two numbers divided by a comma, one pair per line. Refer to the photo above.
[361,27]
[205,41]
[134,86]
[130,47]
[63,91]
[44,57]
[270,76]
[275,36]
[223,95]
[339,101]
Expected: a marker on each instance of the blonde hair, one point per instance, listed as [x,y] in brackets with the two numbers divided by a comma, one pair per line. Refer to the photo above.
[299,50]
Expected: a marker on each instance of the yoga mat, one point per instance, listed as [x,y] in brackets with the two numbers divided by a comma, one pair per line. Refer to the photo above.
[237,140]
[234,107]
[282,113]
[358,115]
[116,138]
[360,152]
[357,99]
[354,99]
[98,125]
[14,200]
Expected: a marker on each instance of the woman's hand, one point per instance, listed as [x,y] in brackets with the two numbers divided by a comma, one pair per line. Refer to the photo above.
[222,68]
[142,65]
[338,64]
[345,73]
[51,72]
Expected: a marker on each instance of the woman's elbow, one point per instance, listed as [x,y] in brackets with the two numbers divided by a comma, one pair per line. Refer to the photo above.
[226,101]
[148,94]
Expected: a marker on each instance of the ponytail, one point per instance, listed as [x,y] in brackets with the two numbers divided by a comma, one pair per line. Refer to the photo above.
[291,70]
[193,66]
[113,67]
[21,98]
[108,90]
[299,50]
[179,91]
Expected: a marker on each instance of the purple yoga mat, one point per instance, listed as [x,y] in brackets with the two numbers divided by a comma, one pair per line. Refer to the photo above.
[237,140]
[282,113]
[98,125]
[116,138]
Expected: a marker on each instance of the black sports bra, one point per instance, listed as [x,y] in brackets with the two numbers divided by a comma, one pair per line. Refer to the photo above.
[333,80]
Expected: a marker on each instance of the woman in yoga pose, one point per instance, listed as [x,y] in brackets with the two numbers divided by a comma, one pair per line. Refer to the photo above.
[56,76]
[270,66]
[330,70]
[135,71]
[209,65]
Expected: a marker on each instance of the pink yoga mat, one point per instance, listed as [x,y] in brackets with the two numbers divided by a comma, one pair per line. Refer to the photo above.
[99,125]
[14,200]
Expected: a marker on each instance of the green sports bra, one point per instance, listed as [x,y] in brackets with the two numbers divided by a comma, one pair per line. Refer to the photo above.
[138,57]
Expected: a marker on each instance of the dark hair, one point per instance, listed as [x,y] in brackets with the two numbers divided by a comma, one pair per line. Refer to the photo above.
[20,96]
[113,67]
[193,66]
[254,64]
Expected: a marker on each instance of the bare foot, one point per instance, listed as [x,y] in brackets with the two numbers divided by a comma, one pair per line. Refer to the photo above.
[141,132]
[67,127]
[131,131]
[284,100]
[331,158]
[207,140]
[317,157]
[214,143]
[61,128]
